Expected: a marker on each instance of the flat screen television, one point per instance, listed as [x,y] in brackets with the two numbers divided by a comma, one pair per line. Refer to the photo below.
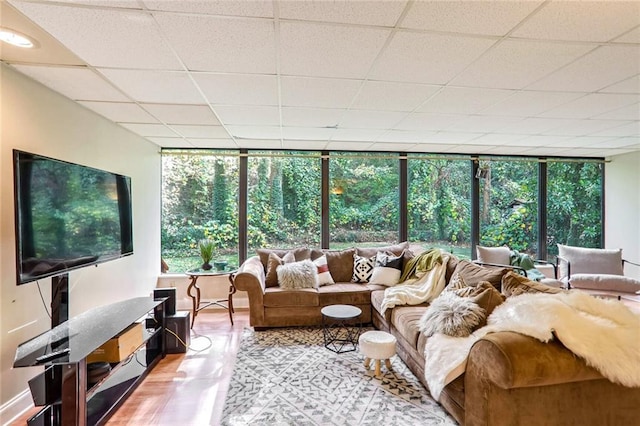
[68,216]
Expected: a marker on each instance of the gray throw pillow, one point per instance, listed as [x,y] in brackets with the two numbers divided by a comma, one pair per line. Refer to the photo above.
[452,315]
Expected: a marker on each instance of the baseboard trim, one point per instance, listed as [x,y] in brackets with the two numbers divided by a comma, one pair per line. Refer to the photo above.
[16,407]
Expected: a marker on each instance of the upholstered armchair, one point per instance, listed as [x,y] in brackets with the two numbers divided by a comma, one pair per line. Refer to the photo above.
[522,263]
[595,269]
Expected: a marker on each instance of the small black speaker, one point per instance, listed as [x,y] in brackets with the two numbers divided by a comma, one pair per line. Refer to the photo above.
[169,305]
[178,332]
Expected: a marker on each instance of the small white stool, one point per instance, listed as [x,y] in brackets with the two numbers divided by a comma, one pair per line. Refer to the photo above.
[377,345]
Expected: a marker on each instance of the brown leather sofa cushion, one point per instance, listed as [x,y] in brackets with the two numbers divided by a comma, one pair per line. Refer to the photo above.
[300,253]
[275,297]
[406,320]
[396,249]
[344,294]
[271,277]
[473,274]
[514,284]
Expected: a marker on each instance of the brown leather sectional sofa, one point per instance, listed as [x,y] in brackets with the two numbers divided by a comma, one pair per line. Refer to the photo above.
[510,379]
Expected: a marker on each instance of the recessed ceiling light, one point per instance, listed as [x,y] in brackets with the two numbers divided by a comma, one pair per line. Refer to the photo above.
[16,39]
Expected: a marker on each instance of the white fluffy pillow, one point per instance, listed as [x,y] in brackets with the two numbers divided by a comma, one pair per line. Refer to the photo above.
[452,315]
[387,269]
[324,275]
[303,274]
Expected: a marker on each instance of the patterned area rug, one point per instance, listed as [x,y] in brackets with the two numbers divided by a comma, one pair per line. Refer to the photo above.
[287,377]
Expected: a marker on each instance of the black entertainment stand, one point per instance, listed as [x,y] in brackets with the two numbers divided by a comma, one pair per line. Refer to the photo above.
[62,388]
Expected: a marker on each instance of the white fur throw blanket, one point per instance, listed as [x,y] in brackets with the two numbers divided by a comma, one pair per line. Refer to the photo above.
[605,333]
[416,291]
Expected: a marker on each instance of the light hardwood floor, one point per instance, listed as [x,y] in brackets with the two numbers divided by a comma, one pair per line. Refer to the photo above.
[186,389]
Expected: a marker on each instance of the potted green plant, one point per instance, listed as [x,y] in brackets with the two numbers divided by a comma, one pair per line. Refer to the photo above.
[206,253]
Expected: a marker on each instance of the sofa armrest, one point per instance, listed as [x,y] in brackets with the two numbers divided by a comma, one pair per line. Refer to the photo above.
[250,278]
[512,360]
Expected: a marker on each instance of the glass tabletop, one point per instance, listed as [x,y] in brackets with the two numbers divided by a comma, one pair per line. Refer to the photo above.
[211,272]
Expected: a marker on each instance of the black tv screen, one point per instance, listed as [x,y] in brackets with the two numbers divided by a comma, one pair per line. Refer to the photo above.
[68,216]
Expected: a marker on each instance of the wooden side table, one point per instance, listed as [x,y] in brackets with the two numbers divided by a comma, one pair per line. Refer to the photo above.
[198,304]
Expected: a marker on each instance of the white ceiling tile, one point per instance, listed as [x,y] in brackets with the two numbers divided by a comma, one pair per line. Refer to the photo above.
[144,85]
[621,142]
[254,132]
[515,64]
[578,142]
[540,140]
[589,152]
[201,132]
[311,117]
[632,36]
[534,125]
[630,85]
[357,134]
[392,147]
[170,142]
[431,147]
[411,57]
[390,96]
[249,115]
[503,150]
[359,119]
[182,114]
[482,124]
[490,18]
[120,112]
[74,83]
[530,103]
[224,143]
[581,20]
[150,129]
[304,145]
[496,139]
[592,105]
[221,44]
[463,100]
[126,4]
[628,130]
[406,136]
[318,92]
[381,13]
[307,133]
[105,37]
[238,89]
[255,8]
[603,67]
[456,137]
[324,50]
[259,144]
[584,127]
[631,112]
[348,146]
[428,121]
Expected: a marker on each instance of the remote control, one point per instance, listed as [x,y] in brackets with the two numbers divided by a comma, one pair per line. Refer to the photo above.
[52,355]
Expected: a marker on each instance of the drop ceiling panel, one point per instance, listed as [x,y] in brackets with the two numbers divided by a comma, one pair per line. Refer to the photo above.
[359,119]
[249,115]
[431,147]
[105,37]
[311,117]
[629,130]
[411,57]
[632,36]
[408,136]
[540,140]
[238,89]
[390,96]
[497,139]
[630,85]
[143,86]
[530,103]
[253,132]
[357,135]
[534,125]
[170,142]
[462,100]
[428,121]
[225,143]
[482,123]
[255,8]
[581,141]
[307,133]
[489,18]
[182,114]
[203,132]
[631,112]
[297,144]
[515,64]
[606,65]
[391,147]
[584,127]
[120,112]
[261,144]
[591,105]
[221,44]
[581,20]
[311,49]
[621,143]
[381,13]
[74,83]
[455,137]
[343,145]
[150,129]
[318,92]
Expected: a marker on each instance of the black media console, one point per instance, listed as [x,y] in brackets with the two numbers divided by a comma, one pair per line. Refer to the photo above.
[62,388]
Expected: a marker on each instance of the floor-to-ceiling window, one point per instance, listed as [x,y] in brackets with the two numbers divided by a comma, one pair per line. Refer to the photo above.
[574,204]
[283,208]
[199,201]
[439,203]
[363,206]
[509,204]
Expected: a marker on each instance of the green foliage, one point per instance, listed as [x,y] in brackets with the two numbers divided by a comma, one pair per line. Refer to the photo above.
[206,250]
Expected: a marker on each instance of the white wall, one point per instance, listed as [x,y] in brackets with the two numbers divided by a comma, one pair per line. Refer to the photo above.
[622,213]
[36,119]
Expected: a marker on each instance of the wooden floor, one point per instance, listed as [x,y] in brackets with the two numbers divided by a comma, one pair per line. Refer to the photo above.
[187,389]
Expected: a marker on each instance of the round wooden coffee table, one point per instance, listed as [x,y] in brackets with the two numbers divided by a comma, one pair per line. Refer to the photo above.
[340,328]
